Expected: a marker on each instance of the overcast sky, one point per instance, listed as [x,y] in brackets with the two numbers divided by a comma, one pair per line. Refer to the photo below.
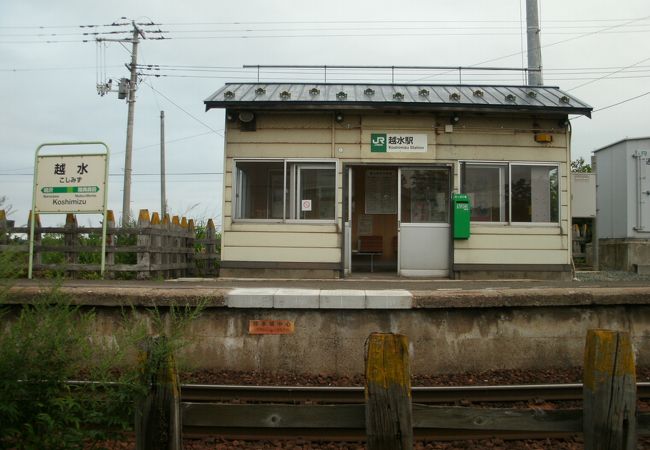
[597,50]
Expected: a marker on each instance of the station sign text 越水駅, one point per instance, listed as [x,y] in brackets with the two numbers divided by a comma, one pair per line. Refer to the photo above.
[398,143]
[70,183]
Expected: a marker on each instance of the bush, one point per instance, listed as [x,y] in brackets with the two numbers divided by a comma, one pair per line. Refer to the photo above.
[51,341]
[45,345]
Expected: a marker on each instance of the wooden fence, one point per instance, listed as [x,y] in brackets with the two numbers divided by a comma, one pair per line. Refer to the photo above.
[170,247]
[608,420]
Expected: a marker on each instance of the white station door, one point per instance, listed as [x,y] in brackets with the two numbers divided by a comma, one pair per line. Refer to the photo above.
[423,222]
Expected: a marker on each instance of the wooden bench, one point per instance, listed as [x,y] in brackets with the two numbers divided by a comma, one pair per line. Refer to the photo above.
[370,246]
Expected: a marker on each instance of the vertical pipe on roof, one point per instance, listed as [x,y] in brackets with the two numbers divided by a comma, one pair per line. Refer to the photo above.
[534,46]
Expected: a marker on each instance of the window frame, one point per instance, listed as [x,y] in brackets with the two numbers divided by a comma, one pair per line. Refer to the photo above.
[289,204]
[508,165]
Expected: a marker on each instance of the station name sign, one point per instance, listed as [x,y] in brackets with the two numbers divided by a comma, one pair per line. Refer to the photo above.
[70,183]
[398,143]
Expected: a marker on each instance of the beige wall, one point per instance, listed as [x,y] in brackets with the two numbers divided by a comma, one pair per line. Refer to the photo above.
[317,135]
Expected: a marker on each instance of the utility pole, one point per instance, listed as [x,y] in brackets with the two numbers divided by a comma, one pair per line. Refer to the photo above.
[163,197]
[533,43]
[126,199]
[126,90]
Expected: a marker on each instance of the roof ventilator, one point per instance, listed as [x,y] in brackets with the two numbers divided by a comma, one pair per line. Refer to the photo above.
[564,99]
[398,96]
[454,96]
[478,93]
[532,94]
[341,95]
[369,92]
[260,91]
[510,98]
[314,92]
[285,95]
[229,95]
[424,92]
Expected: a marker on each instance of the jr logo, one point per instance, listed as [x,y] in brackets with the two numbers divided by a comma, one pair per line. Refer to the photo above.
[378,142]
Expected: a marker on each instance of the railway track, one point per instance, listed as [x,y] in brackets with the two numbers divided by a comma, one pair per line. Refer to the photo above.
[337,413]
[282,412]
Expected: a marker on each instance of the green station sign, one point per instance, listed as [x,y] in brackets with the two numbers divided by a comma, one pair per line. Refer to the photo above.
[70,189]
[398,143]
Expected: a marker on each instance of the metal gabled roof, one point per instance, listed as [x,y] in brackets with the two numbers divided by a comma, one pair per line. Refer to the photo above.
[292,96]
[620,141]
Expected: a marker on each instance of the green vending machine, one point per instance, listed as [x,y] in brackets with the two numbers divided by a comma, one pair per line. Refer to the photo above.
[461,208]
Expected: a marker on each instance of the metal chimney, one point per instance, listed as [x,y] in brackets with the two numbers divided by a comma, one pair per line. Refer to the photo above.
[533,42]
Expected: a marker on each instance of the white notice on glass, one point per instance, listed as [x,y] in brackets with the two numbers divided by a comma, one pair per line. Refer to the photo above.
[306,205]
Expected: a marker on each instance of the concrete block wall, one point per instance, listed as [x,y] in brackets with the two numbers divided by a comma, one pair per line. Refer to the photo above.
[623,254]
[441,340]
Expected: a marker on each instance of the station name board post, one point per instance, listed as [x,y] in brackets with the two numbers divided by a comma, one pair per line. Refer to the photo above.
[74,183]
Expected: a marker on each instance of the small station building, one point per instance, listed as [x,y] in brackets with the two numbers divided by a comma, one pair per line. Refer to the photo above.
[458,181]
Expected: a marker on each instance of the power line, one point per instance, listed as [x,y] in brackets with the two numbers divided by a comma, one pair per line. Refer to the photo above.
[185,111]
[616,104]
[352,33]
[609,75]
[309,22]
[562,41]
[395,28]
[135,174]
[49,69]
[61,26]
[621,102]
[315,22]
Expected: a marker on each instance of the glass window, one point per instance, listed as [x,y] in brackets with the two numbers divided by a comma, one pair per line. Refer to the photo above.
[424,195]
[487,187]
[512,192]
[316,185]
[535,193]
[260,192]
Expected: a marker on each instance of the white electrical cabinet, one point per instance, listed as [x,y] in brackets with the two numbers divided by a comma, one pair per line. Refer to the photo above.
[583,195]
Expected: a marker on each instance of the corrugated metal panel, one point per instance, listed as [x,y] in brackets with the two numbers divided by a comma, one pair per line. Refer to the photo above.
[401,96]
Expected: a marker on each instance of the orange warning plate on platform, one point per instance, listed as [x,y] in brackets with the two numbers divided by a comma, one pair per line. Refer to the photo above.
[271,327]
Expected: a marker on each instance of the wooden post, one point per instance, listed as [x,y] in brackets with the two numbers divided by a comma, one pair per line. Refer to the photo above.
[209,265]
[189,243]
[110,243]
[175,242]
[609,391]
[155,245]
[183,245]
[4,227]
[143,242]
[158,416]
[70,241]
[165,243]
[388,393]
[38,254]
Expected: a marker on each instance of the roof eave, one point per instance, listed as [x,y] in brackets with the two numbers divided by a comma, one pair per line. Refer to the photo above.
[392,106]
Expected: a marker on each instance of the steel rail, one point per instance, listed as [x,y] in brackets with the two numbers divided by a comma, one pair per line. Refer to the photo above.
[425,395]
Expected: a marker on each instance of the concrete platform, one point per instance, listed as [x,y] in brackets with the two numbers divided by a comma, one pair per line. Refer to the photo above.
[283,298]
[452,326]
[350,293]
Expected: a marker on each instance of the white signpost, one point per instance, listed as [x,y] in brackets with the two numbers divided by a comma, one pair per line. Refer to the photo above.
[70,183]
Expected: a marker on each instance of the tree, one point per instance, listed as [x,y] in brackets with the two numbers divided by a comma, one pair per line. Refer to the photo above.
[8,208]
[580,165]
